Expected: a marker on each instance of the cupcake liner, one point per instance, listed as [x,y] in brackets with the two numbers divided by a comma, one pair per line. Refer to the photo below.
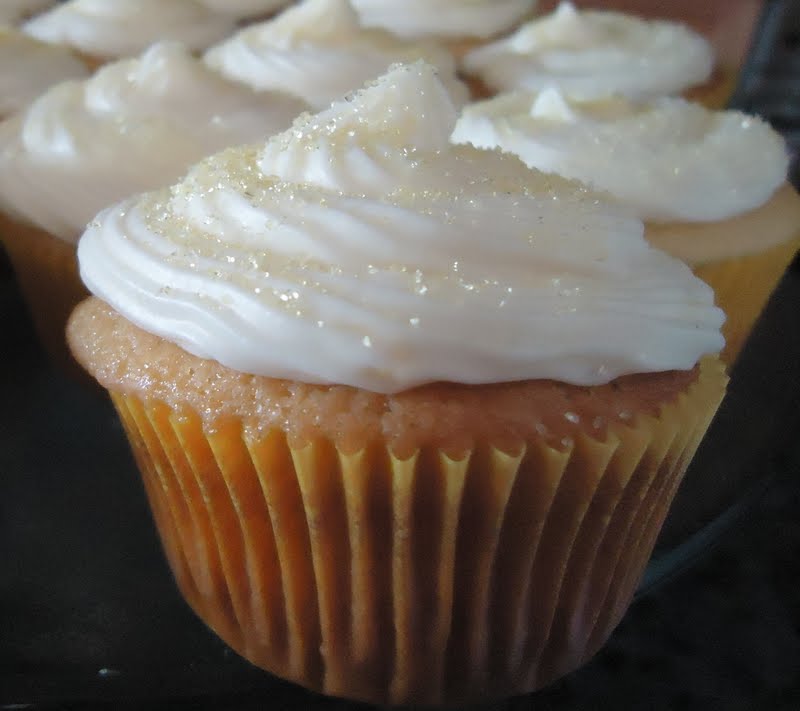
[47,273]
[438,578]
[742,287]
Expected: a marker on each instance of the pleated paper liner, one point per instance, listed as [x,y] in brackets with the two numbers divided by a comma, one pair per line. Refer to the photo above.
[47,273]
[742,287]
[429,579]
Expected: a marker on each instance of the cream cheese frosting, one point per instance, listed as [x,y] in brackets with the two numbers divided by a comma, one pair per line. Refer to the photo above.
[135,125]
[28,67]
[12,11]
[443,18]
[594,53]
[360,247]
[667,160]
[120,28]
[318,51]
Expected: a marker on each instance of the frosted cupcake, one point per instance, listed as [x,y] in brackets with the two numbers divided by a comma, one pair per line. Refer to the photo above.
[14,11]
[134,125]
[407,434]
[28,67]
[710,185]
[317,50]
[728,26]
[592,54]
[462,25]
[104,30]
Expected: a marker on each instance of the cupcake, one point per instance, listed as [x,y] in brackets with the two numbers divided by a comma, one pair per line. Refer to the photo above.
[28,67]
[462,25]
[14,11]
[317,50]
[593,54]
[84,144]
[105,30]
[407,434]
[710,185]
[728,26]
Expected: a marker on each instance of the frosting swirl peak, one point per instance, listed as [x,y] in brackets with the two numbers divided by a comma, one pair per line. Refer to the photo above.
[594,54]
[360,247]
[667,159]
[319,51]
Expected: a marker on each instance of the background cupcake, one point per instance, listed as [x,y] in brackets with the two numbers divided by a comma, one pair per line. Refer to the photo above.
[593,54]
[389,458]
[134,125]
[460,25]
[318,50]
[103,31]
[729,27]
[710,185]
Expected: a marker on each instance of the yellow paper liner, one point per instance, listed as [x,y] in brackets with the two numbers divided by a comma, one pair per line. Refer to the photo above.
[742,287]
[47,273]
[432,579]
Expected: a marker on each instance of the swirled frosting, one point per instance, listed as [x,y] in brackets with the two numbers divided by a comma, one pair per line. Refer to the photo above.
[443,18]
[245,8]
[360,247]
[594,53]
[135,125]
[318,51]
[120,28]
[668,160]
[12,11]
[28,67]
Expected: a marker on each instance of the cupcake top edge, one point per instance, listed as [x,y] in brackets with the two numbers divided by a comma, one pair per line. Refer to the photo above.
[360,247]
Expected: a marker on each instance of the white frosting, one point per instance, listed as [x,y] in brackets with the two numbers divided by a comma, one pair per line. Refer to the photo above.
[119,28]
[318,51]
[592,54]
[28,67]
[668,160]
[12,11]
[443,18]
[135,125]
[245,8]
[360,247]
